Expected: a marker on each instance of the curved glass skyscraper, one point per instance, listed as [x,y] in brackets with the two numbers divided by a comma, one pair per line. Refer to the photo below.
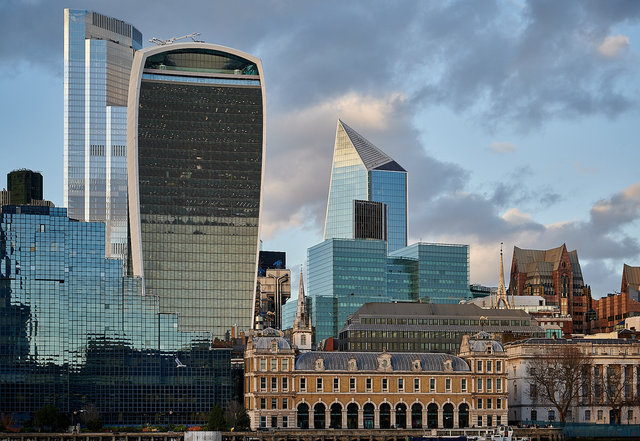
[362,172]
[196,142]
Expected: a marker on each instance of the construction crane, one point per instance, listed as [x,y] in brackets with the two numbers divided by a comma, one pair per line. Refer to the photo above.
[159,42]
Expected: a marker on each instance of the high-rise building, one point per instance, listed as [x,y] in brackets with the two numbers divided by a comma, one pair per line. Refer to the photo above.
[196,141]
[362,172]
[24,186]
[556,275]
[74,332]
[98,51]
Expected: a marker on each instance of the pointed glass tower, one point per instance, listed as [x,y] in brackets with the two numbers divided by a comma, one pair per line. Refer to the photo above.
[362,172]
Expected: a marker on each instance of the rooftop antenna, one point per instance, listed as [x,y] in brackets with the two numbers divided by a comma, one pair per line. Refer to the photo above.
[160,42]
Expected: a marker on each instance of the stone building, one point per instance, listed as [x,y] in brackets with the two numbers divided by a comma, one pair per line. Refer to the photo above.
[370,390]
[611,393]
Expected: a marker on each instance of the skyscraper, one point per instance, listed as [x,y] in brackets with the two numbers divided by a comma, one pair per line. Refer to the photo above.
[196,140]
[362,172]
[98,51]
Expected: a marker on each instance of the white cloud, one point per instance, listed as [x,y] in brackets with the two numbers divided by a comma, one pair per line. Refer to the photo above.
[613,44]
[515,216]
[502,147]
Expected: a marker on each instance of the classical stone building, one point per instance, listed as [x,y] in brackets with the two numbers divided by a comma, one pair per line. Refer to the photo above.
[611,393]
[554,274]
[353,390]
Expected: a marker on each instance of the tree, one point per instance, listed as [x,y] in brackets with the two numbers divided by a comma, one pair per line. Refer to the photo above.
[216,419]
[237,416]
[558,377]
[614,392]
[50,418]
[91,417]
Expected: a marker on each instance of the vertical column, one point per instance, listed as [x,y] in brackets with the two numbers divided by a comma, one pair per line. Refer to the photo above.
[344,417]
[392,417]
[440,418]
[360,419]
[327,417]
[424,415]
[376,418]
[455,417]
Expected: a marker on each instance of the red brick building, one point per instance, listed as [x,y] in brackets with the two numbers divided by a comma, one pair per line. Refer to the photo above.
[614,308]
[556,275]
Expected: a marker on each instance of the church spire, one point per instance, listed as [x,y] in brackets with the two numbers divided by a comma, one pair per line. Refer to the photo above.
[301,321]
[501,295]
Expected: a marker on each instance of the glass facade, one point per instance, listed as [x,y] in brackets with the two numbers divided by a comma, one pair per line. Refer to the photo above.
[360,171]
[443,271]
[344,274]
[75,332]
[195,183]
[98,52]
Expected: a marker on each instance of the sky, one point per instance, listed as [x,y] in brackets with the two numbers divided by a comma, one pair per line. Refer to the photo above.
[517,121]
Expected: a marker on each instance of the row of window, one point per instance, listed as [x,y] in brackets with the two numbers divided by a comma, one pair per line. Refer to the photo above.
[404,321]
[320,384]
[273,362]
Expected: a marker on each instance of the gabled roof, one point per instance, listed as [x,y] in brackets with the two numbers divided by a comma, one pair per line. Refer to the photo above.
[372,157]
[632,274]
[544,262]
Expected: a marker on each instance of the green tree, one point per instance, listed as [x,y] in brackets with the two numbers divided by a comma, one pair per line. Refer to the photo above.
[216,419]
[91,417]
[50,418]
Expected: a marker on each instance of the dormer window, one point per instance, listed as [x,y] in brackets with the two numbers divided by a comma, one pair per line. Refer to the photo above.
[274,346]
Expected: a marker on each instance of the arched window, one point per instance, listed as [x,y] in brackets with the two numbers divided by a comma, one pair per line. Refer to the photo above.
[401,416]
[352,416]
[447,416]
[336,416]
[463,415]
[432,416]
[385,416]
[416,416]
[319,416]
[303,416]
[367,415]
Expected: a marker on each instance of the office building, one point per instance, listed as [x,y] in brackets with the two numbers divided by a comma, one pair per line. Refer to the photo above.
[556,275]
[424,327]
[196,140]
[271,260]
[344,274]
[98,51]
[361,172]
[273,289]
[24,186]
[379,390]
[74,332]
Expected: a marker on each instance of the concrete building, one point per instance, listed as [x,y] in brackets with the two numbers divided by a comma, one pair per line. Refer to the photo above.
[351,390]
[424,327]
[98,52]
[196,144]
[556,275]
[611,391]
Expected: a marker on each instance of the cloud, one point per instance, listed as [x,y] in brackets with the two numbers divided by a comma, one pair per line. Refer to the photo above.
[502,147]
[613,45]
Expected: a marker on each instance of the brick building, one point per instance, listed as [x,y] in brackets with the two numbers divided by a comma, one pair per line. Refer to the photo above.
[556,275]
[367,390]
[614,308]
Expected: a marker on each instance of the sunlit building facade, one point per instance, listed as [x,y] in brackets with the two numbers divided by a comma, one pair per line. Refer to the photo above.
[196,140]
[74,332]
[98,52]
[362,172]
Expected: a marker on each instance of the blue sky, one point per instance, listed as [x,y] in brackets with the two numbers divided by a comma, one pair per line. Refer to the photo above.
[517,121]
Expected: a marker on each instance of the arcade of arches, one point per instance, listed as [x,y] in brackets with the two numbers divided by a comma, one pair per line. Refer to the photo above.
[402,415]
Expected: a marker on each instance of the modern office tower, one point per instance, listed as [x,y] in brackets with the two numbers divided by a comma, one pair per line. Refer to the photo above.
[271,260]
[98,51]
[24,186]
[443,271]
[344,274]
[273,289]
[362,172]
[196,141]
[554,274]
[75,333]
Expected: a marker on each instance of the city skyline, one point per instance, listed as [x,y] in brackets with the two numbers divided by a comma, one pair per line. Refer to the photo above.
[531,145]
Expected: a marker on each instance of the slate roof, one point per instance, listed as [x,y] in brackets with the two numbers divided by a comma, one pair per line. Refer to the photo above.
[544,262]
[372,157]
[632,273]
[267,337]
[368,361]
[406,309]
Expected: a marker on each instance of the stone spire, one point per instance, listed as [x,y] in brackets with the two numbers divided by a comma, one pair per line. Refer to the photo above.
[301,334]
[502,301]
[301,321]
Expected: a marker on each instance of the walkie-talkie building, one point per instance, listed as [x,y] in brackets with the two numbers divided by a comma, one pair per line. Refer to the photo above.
[196,141]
